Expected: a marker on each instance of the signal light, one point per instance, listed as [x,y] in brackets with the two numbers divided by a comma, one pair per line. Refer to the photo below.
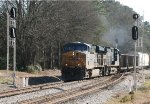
[135,16]
[13,12]
[134,32]
[12,29]
[12,32]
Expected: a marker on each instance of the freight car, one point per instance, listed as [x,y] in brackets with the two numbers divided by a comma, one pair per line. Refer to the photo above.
[82,60]
[127,61]
[143,60]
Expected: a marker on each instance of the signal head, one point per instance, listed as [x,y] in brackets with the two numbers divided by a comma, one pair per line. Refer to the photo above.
[134,32]
[135,16]
[12,32]
[13,12]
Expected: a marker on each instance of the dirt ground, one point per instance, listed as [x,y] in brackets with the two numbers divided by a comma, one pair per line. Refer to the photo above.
[49,73]
[6,79]
[22,74]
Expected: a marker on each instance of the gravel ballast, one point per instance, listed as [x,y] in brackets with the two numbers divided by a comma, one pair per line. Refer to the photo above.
[99,97]
[18,98]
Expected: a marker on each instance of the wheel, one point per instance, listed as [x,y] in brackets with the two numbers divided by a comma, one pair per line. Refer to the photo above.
[90,73]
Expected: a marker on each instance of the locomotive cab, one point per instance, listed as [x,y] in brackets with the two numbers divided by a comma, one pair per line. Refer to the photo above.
[74,61]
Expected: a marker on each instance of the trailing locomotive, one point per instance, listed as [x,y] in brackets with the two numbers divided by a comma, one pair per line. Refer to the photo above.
[82,60]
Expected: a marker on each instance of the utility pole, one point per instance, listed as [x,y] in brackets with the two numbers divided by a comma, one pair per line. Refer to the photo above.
[7,41]
[143,77]
[135,37]
[14,63]
[59,54]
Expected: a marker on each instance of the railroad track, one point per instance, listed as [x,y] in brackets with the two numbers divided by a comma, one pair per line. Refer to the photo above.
[75,92]
[18,91]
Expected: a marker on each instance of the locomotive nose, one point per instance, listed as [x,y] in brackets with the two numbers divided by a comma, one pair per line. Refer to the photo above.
[79,59]
[74,59]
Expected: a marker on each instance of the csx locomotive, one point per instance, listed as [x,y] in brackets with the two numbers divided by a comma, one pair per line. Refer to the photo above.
[82,60]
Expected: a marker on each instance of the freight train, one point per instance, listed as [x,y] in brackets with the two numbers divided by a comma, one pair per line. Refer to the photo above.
[82,60]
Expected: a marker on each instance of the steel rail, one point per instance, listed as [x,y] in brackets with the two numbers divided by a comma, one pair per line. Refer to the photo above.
[18,91]
[72,93]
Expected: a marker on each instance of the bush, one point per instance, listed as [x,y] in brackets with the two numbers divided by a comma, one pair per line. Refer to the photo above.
[38,67]
[34,68]
[127,98]
[3,63]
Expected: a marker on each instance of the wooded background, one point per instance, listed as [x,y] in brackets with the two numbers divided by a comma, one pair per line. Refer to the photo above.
[43,27]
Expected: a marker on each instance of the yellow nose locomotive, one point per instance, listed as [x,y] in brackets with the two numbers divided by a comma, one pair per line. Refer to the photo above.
[74,61]
[82,60]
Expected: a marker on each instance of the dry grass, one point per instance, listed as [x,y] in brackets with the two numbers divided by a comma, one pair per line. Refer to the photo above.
[5,80]
[5,77]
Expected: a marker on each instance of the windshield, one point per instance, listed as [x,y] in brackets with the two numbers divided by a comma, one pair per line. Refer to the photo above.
[76,47]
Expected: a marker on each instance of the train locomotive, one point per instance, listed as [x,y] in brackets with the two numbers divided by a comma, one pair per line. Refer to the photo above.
[82,60]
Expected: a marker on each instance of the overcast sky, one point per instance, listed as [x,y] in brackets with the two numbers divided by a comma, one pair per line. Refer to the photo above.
[139,6]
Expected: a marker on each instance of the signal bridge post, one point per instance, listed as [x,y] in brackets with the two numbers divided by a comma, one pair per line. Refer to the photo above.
[135,37]
[140,44]
[11,39]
